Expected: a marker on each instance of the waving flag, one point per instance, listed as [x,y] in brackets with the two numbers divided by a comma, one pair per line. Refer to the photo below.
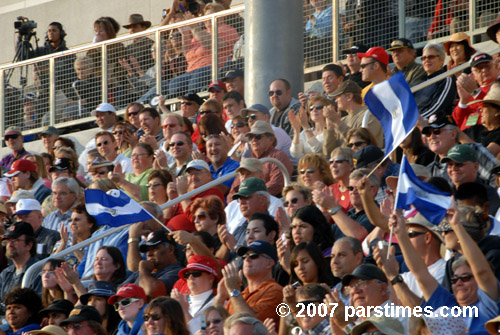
[427,199]
[114,208]
[394,106]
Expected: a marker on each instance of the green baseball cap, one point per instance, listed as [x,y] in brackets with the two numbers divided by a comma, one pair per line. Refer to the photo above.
[460,153]
[249,186]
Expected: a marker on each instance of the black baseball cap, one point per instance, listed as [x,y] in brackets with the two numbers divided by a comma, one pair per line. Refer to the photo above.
[192,97]
[366,156]
[365,272]
[480,57]
[401,43]
[60,305]
[19,228]
[437,122]
[154,238]
[358,48]
[82,313]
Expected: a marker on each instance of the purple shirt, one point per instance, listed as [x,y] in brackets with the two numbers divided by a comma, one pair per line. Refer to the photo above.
[7,160]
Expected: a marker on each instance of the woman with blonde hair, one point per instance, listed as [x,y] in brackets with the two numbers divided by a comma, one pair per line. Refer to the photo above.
[313,168]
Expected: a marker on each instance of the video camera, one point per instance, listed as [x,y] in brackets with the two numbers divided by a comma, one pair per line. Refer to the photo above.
[193,6]
[24,26]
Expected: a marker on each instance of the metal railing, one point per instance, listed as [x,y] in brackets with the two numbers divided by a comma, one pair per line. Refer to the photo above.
[33,269]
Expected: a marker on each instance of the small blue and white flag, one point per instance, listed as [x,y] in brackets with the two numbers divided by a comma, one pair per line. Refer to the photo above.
[114,208]
[426,198]
[394,106]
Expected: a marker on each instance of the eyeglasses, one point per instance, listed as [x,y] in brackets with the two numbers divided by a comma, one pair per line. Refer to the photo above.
[133,113]
[173,144]
[251,256]
[351,188]
[304,171]
[201,216]
[195,274]
[155,317]
[153,185]
[165,126]
[360,284]
[319,107]
[125,302]
[13,240]
[138,155]
[251,116]
[412,233]
[463,278]
[435,131]
[74,326]
[102,143]
[430,57]
[207,112]
[365,65]
[118,132]
[11,137]
[187,103]
[337,160]
[293,201]
[277,92]
[238,124]
[356,144]
[257,137]
[100,173]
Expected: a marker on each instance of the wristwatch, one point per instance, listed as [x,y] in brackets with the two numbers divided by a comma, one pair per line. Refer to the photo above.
[334,210]
[234,293]
[132,240]
[397,279]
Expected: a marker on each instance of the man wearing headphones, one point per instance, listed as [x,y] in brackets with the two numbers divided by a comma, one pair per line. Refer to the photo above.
[54,40]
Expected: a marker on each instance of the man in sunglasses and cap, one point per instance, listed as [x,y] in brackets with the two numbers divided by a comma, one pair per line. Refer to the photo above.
[14,139]
[83,320]
[129,301]
[262,294]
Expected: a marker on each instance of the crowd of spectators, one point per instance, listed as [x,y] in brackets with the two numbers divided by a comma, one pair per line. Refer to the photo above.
[222,260]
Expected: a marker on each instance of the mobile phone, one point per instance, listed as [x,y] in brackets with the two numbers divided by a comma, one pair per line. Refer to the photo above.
[295,285]
[283,238]
[164,13]
[383,247]
[203,320]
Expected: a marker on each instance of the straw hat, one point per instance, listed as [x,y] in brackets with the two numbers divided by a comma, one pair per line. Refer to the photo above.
[457,38]
[137,19]
[493,96]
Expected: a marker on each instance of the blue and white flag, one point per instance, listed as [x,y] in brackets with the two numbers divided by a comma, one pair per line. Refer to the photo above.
[394,106]
[114,208]
[426,198]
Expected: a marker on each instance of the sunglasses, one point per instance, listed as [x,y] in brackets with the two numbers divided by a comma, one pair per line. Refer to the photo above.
[187,103]
[118,132]
[337,160]
[257,137]
[214,322]
[251,116]
[173,144]
[165,126]
[238,124]
[293,201]
[75,326]
[195,274]
[319,107]
[153,185]
[463,278]
[435,131]
[207,112]
[251,256]
[102,143]
[356,144]
[155,317]
[133,113]
[430,57]
[350,188]
[124,302]
[412,233]
[304,171]
[365,65]
[209,137]
[201,216]
[100,173]
[277,92]
[11,137]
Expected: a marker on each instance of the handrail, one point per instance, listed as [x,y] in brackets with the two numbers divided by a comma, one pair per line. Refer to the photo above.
[31,270]
[447,73]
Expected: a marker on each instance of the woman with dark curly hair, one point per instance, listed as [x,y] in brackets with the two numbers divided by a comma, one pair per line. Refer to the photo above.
[164,316]
[21,312]
[310,225]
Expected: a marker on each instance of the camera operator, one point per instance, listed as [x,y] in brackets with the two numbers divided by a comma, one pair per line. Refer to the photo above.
[54,41]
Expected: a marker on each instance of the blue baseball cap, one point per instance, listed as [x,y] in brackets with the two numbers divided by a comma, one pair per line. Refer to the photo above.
[260,247]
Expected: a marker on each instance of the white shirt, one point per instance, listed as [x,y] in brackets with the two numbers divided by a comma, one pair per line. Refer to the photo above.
[436,270]
[197,304]
[235,217]
[125,162]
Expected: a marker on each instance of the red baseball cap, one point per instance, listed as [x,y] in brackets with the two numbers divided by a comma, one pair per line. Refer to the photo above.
[377,53]
[128,291]
[218,85]
[202,263]
[21,165]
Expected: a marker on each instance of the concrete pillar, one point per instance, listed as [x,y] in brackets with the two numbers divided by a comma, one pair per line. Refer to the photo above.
[274,47]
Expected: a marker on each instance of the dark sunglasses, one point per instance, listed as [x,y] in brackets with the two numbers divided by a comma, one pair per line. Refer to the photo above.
[304,171]
[133,113]
[316,107]
[102,143]
[257,137]
[209,137]
[195,274]
[207,112]
[463,278]
[124,302]
[350,188]
[293,201]
[201,216]
[435,131]
[173,144]
[251,116]
[356,144]
[277,92]
[251,256]
[118,132]
[154,185]
[11,137]
[100,173]
[187,103]
[337,160]
[430,57]
[155,317]
[238,124]
[412,233]
[365,65]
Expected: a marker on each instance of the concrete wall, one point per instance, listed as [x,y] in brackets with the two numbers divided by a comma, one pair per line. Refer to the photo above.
[77,17]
